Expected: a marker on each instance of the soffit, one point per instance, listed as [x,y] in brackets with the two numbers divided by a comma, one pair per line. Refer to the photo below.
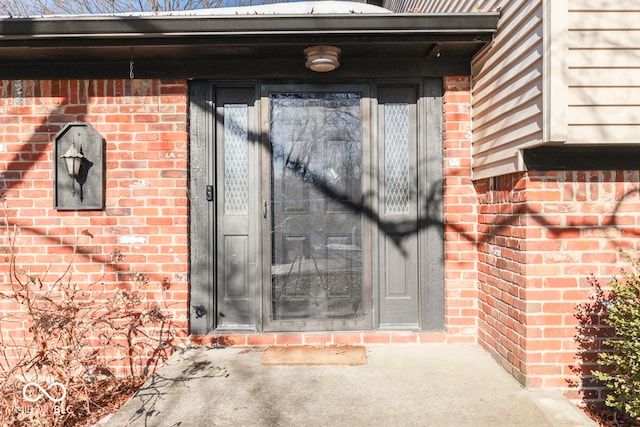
[96,44]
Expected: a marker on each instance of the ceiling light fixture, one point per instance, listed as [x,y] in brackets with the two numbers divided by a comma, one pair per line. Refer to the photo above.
[322,59]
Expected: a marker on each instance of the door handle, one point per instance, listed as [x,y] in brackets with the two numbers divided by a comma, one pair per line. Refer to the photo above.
[264,208]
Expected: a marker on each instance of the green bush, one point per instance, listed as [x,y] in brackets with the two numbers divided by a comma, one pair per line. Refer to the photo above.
[620,366]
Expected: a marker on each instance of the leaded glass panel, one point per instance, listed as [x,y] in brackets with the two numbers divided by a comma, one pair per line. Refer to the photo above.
[396,157]
[236,159]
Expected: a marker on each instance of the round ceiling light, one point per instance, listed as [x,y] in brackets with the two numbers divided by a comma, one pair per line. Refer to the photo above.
[322,59]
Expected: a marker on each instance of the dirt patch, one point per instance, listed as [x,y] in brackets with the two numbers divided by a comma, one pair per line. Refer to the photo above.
[311,355]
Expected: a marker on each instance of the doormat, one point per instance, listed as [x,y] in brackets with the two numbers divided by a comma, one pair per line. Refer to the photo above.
[310,355]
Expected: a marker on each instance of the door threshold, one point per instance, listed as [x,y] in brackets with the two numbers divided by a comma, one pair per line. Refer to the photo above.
[328,338]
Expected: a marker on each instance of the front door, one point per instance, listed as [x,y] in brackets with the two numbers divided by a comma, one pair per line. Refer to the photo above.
[315,272]
[323,207]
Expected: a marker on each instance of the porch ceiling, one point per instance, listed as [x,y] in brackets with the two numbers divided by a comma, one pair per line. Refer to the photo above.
[194,46]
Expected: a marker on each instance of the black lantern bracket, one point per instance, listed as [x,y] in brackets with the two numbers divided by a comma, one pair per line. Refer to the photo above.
[78,153]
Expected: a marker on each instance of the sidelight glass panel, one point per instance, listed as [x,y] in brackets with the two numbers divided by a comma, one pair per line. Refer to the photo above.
[316,176]
[396,158]
[236,159]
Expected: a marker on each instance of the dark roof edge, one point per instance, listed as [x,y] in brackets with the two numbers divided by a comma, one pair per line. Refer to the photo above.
[98,26]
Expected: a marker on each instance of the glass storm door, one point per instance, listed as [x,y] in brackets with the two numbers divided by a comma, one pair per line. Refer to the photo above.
[314,268]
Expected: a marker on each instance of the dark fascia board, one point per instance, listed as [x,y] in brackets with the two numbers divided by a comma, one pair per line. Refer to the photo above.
[581,158]
[236,68]
[482,25]
[97,46]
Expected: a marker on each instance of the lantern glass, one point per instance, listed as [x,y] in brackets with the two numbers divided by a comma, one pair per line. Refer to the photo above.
[73,161]
[73,166]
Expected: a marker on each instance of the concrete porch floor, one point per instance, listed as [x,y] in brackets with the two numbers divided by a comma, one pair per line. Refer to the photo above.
[401,385]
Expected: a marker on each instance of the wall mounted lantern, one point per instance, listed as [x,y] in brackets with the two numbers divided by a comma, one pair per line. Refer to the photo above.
[79,171]
[73,160]
[322,59]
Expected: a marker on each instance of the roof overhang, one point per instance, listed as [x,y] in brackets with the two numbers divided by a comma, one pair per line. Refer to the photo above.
[208,46]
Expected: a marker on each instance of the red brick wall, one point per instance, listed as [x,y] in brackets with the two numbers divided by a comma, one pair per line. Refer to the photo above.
[144,124]
[542,234]
[502,229]
[460,214]
[518,248]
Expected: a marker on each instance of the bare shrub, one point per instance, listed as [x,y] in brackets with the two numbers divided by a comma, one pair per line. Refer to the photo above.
[69,349]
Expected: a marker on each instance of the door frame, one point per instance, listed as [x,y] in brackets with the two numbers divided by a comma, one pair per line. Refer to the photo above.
[202,298]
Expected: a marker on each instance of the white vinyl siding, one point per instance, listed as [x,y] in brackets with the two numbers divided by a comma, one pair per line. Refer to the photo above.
[603,72]
[508,111]
[557,72]
[508,90]
[508,80]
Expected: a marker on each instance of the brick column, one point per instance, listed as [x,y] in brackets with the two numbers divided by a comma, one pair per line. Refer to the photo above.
[542,234]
